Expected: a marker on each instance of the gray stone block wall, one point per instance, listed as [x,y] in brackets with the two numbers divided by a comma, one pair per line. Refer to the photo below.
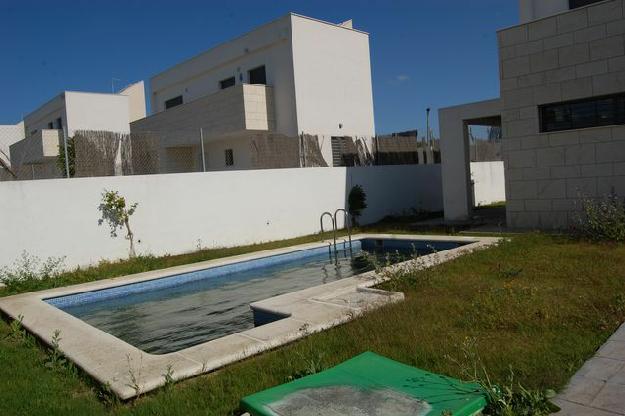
[577,54]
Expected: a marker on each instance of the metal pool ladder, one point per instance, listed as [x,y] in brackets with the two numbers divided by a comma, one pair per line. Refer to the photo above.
[334,227]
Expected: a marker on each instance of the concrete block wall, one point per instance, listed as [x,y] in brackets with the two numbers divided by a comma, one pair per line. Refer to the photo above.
[573,55]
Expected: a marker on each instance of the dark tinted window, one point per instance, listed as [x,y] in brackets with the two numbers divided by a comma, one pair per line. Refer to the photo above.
[229,157]
[257,75]
[574,4]
[591,112]
[172,102]
[226,83]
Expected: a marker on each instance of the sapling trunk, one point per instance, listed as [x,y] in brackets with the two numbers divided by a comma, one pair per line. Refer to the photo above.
[130,236]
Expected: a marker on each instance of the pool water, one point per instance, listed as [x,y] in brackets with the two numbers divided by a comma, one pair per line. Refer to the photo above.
[176,312]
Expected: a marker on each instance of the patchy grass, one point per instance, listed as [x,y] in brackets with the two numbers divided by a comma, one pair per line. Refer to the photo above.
[539,305]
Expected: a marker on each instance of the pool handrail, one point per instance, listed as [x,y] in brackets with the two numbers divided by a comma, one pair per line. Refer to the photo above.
[346,223]
[333,226]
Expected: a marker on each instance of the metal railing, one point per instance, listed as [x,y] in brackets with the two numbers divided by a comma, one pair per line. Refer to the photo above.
[334,228]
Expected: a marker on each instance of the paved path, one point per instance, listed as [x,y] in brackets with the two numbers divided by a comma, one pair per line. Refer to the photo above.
[598,388]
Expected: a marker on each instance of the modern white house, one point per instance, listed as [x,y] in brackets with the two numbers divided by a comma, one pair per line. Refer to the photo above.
[40,135]
[561,109]
[290,76]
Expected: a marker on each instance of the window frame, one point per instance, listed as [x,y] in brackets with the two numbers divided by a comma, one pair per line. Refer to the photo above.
[576,4]
[167,104]
[229,157]
[607,110]
[249,75]
[227,82]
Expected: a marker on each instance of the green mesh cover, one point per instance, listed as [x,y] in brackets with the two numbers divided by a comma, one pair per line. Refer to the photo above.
[369,385]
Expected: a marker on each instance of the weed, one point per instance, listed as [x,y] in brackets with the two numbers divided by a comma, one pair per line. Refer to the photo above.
[309,362]
[507,272]
[106,395]
[55,358]
[134,375]
[169,375]
[509,399]
[28,270]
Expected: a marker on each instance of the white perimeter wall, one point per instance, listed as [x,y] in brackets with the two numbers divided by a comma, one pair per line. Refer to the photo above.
[488,182]
[59,217]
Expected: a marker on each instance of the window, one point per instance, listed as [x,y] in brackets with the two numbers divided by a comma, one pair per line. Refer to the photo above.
[257,75]
[172,102]
[574,4]
[227,83]
[229,157]
[59,123]
[578,114]
[50,125]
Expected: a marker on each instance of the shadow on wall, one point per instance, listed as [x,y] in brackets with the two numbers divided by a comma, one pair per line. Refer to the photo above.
[392,191]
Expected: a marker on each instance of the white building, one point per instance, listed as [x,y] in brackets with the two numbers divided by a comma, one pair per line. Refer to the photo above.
[562,94]
[39,136]
[293,75]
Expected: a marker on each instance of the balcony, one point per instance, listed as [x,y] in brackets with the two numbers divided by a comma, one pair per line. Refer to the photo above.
[236,110]
[38,148]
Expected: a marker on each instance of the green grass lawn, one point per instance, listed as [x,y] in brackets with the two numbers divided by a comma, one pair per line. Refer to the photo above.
[539,305]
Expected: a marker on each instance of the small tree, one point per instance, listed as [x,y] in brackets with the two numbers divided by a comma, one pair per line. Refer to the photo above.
[116,213]
[357,202]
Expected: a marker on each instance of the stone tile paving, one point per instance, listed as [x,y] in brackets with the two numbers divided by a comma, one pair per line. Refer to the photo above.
[598,388]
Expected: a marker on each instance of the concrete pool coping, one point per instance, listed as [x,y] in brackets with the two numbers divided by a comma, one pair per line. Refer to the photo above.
[128,371]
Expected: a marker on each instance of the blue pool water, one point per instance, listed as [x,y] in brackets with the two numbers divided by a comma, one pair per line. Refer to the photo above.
[175,312]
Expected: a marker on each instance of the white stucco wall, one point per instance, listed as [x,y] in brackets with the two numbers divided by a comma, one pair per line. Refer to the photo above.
[332,79]
[218,208]
[10,134]
[489,183]
[136,100]
[536,9]
[93,111]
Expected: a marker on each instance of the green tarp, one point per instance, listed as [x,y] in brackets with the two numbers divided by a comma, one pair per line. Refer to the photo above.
[369,385]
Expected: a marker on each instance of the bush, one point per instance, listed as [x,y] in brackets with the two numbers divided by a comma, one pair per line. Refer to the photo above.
[602,219]
[357,202]
[29,270]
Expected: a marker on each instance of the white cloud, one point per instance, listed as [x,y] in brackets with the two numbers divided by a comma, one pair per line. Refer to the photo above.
[402,78]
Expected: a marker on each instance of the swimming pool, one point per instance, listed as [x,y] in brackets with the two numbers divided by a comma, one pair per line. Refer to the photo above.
[128,370]
[176,312]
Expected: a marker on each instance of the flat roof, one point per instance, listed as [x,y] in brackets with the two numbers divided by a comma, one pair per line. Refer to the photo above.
[339,25]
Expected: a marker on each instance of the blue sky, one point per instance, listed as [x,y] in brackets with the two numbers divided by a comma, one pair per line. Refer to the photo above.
[432,53]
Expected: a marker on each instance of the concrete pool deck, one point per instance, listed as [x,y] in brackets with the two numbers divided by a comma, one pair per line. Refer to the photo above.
[129,371]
